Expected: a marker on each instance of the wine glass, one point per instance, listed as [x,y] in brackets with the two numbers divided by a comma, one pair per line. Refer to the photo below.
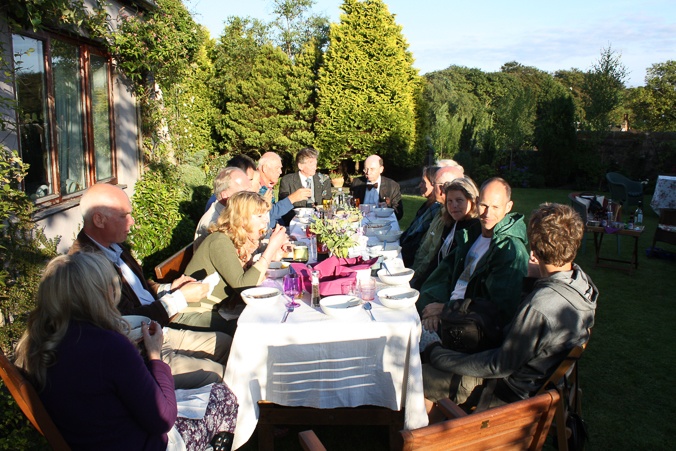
[292,288]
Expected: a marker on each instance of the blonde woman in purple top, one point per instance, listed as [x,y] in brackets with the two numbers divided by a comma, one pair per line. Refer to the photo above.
[97,388]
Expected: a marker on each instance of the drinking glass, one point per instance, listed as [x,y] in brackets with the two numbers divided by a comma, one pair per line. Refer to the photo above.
[292,288]
[367,289]
[348,288]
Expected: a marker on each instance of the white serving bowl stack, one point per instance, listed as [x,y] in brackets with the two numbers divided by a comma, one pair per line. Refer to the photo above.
[376,225]
[277,270]
[261,296]
[390,236]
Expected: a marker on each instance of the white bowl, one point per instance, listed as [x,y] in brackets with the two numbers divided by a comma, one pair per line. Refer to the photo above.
[383,212]
[260,296]
[302,212]
[341,306]
[400,277]
[371,228]
[390,251]
[398,297]
[390,236]
[277,270]
[135,321]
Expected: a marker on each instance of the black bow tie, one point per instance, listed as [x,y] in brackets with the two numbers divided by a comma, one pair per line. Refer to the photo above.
[371,186]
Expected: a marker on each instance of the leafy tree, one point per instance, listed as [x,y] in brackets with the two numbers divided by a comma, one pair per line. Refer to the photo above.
[573,80]
[296,29]
[554,134]
[603,87]
[367,89]
[654,105]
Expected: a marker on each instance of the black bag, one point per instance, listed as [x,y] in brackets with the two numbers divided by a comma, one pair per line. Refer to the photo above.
[471,325]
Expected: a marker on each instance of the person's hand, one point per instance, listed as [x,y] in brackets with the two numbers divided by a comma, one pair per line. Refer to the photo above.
[194,291]
[278,240]
[388,201]
[178,283]
[433,309]
[431,323]
[153,338]
[300,194]
[268,195]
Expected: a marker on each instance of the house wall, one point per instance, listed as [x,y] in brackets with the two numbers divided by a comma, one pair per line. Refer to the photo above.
[64,220]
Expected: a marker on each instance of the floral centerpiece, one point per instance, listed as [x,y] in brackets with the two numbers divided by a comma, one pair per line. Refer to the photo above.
[339,232]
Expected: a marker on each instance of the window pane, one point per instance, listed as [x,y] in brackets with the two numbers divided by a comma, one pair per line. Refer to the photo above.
[31,94]
[68,108]
[100,116]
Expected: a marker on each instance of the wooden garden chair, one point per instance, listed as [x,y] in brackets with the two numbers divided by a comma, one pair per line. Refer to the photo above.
[29,402]
[174,266]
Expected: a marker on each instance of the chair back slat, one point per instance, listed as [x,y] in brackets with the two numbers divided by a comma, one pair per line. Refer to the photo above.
[30,404]
[174,266]
[516,426]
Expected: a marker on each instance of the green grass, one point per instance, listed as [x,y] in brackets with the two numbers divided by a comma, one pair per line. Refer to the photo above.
[627,371]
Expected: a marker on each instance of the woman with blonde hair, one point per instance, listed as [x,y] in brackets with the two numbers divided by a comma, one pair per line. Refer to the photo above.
[232,242]
[94,383]
[461,209]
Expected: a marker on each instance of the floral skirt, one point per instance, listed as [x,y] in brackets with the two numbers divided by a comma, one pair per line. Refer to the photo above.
[221,416]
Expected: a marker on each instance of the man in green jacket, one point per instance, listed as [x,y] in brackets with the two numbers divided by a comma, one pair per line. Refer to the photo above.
[489,262]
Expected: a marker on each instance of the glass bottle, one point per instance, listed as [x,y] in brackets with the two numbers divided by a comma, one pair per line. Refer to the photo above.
[315,289]
[638,214]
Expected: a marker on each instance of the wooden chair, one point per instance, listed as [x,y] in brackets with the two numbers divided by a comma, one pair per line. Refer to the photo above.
[29,402]
[174,266]
[668,219]
[565,380]
[521,425]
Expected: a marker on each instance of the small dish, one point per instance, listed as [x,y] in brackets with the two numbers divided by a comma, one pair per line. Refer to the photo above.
[135,333]
[398,297]
[389,236]
[341,306]
[261,296]
[277,270]
[383,212]
[400,277]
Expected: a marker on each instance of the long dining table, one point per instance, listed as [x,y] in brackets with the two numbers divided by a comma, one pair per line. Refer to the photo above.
[315,360]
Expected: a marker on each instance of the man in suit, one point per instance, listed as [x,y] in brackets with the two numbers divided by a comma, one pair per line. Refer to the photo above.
[373,188]
[270,168]
[306,177]
[196,358]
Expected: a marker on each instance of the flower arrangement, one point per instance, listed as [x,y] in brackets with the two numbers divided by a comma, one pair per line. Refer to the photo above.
[339,232]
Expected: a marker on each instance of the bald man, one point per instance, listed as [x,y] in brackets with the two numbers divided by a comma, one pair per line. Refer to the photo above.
[229,181]
[270,169]
[196,358]
[372,188]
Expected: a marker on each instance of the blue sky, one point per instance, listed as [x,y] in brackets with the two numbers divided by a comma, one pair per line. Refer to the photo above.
[488,33]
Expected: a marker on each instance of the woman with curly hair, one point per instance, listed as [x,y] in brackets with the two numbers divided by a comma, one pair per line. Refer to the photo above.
[232,242]
[92,378]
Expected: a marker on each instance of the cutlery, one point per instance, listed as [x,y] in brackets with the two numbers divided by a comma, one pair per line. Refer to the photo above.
[263,296]
[354,302]
[367,307]
[289,309]
[405,295]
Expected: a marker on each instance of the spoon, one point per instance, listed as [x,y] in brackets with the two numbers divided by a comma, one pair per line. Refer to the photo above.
[367,307]
[289,309]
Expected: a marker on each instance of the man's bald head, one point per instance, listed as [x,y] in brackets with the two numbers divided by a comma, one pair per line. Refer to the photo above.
[446,174]
[229,181]
[373,167]
[106,211]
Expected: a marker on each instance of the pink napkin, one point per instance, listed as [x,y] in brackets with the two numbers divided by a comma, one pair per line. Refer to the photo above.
[332,273]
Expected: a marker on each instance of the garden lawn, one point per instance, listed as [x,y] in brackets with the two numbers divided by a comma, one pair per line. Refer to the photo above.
[627,371]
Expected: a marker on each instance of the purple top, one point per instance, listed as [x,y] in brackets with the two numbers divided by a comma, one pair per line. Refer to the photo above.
[102,395]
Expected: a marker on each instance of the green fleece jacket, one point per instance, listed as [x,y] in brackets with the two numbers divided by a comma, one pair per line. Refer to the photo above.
[499,274]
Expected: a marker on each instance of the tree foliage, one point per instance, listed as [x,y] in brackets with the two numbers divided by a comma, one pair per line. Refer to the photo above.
[296,28]
[603,87]
[654,105]
[367,89]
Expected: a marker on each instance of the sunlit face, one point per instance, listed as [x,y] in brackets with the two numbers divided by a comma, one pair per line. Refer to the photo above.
[372,169]
[259,224]
[238,182]
[270,173]
[309,167]
[117,221]
[426,188]
[458,205]
[493,207]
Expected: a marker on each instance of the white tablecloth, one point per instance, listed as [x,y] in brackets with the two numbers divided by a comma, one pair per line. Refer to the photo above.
[665,193]
[313,360]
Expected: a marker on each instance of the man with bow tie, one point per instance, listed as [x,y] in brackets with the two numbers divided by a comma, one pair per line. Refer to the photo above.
[372,188]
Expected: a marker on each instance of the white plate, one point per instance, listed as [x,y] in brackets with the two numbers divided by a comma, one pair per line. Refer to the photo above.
[341,306]
[398,297]
[261,296]
[135,321]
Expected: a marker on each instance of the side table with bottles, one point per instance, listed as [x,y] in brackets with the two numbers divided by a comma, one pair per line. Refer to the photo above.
[599,232]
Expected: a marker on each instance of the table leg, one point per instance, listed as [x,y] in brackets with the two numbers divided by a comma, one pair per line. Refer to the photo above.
[635,252]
